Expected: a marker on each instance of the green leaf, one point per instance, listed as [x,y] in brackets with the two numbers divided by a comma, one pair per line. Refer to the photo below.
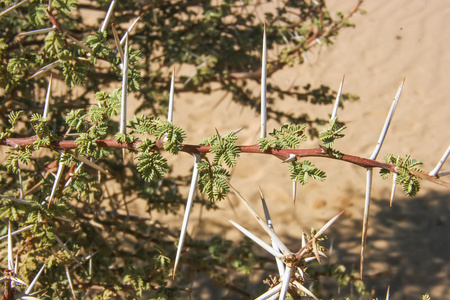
[152,166]
[333,132]
[302,170]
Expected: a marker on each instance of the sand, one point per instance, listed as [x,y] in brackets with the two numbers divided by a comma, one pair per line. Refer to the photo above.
[409,241]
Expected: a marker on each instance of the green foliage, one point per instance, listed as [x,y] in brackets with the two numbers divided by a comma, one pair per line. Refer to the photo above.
[409,182]
[12,119]
[224,148]
[212,180]
[289,136]
[302,170]
[332,133]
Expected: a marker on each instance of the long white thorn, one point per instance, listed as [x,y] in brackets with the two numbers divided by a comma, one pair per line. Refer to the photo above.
[58,177]
[263,224]
[294,190]
[92,164]
[37,31]
[365,218]
[327,225]
[10,254]
[441,162]
[388,122]
[13,7]
[123,109]
[257,240]
[285,285]
[79,44]
[338,99]
[171,96]
[69,279]
[33,283]
[280,264]
[15,199]
[270,292]
[187,211]
[17,232]
[47,98]
[394,185]
[74,172]
[108,15]
[117,41]
[304,290]
[45,69]
[264,86]
[122,41]
[387,292]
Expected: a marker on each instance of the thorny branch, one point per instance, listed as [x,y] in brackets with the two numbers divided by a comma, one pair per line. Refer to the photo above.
[18,143]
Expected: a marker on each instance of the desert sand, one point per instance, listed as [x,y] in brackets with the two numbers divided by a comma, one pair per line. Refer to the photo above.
[409,243]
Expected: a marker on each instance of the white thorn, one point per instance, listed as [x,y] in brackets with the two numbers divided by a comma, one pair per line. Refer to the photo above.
[171,96]
[58,176]
[13,7]
[123,109]
[338,99]
[285,285]
[394,185]
[117,41]
[38,31]
[257,240]
[108,15]
[10,254]
[291,157]
[47,98]
[435,171]
[127,33]
[187,211]
[264,87]
[32,284]
[387,123]
[365,218]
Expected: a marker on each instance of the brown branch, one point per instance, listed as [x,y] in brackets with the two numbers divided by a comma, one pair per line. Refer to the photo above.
[19,143]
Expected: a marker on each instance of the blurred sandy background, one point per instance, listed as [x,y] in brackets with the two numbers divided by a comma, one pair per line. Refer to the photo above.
[410,242]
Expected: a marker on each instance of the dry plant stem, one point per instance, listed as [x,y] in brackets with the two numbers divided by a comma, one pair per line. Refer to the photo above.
[18,143]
